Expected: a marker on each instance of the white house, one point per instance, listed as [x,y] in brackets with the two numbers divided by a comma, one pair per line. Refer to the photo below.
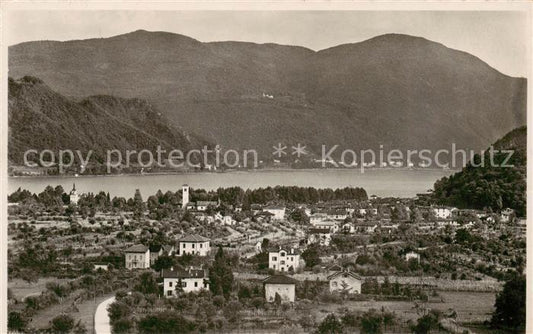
[277,211]
[322,236]
[507,215]
[345,281]
[443,212]
[337,214]
[316,218]
[137,257]
[281,285]
[283,260]
[203,205]
[332,225]
[102,266]
[412,255]
[190,280]
[194,244]
[367,226]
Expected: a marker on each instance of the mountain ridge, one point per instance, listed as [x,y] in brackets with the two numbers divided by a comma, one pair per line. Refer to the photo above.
[387,90]
[40,118]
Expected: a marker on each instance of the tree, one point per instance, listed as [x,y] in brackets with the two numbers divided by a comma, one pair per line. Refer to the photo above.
[163,262]
[147,284]
[221,275]
[165,322]
[264,244]
[16,322]
[311,256]
[371,323]
[118,310]
[510,305]
[330,325]
[299,216]
[277,299]
[62,324]
[122,325]
[427,323]
[138,205]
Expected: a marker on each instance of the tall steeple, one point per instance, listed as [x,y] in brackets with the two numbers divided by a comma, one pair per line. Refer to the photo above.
[184,196]
[74,196]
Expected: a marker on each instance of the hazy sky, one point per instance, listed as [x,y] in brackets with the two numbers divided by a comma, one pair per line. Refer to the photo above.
[499,38]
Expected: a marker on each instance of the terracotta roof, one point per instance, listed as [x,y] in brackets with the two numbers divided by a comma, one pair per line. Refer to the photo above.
[335,267]
[344,273]
[183,273]
[279,279]
[198,203]
[193,238]
[318,230]
[288,251]
[274,207]
[137,249]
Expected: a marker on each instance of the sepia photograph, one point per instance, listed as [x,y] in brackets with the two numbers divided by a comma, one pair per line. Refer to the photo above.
[264,168]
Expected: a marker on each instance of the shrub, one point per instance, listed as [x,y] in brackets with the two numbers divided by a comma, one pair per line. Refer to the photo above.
[62,324]
[122,325]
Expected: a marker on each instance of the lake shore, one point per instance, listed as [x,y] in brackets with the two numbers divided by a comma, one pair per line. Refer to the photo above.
[379,182]
[260,170]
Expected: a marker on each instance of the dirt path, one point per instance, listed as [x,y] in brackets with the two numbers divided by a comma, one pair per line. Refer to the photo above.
[101,317]
[85,313]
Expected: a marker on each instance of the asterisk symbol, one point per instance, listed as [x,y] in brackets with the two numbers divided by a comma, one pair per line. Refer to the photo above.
[279,150]
[298,150]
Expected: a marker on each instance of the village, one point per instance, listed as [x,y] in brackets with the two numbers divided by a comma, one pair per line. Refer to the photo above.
[293,260]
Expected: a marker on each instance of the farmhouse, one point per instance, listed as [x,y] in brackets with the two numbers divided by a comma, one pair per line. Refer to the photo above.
[443,212]
[101,266]
[337,214]
[194,244]
[177,280]
[283,260]
[412,255]
[344,281]
[203,205]
[507,215]
[367,226]
[283,286]
[322,236]
[316,218]
[137,257]
[332,225]
[277,211]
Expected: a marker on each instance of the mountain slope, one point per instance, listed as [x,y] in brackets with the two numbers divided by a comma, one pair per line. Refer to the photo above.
[498,186]
[40,118]
[400,91]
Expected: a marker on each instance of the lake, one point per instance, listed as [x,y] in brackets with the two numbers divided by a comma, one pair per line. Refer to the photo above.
[380,182]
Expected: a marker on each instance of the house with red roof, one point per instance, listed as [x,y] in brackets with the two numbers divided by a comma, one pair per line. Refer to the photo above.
[194,244]
[137,257]
[281,285]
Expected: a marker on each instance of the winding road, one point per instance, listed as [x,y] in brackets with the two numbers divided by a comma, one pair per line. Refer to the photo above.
[101,317]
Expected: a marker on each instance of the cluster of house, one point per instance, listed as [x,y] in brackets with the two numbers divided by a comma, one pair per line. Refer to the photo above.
[177,280]
[174,279]
[142,257]
[324,223]
[339,280]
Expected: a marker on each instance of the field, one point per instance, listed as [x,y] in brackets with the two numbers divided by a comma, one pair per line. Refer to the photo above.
[470,306]
[22,289]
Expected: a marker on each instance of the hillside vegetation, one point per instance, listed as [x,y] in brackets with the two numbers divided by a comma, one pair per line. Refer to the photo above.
[490,186]
[397,90]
